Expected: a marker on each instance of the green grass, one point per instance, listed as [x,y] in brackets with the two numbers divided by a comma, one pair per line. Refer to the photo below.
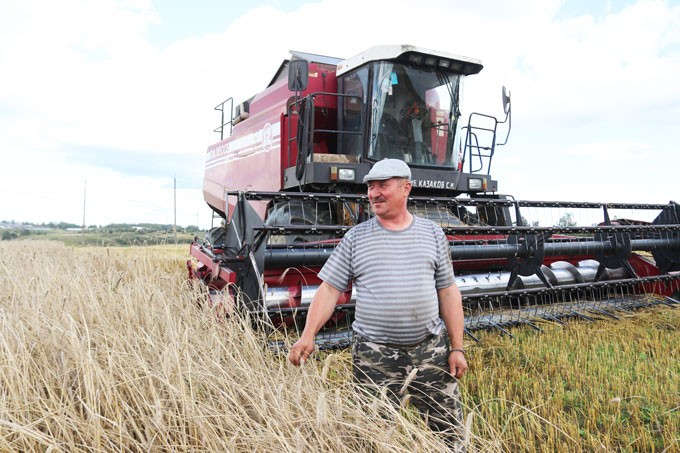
[606,385]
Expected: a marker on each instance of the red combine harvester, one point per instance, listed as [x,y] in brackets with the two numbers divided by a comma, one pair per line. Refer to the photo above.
[285,178]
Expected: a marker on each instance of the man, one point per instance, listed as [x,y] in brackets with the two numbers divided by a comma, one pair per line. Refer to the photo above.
[406,302]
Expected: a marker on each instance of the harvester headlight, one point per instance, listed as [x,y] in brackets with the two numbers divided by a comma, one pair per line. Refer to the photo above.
[476,184]
[415,58]
[346,174]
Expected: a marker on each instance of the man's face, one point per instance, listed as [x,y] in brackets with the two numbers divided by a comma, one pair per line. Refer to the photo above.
[388,197]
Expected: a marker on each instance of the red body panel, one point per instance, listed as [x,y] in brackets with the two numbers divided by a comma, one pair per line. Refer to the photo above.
[257,152]
[210,272]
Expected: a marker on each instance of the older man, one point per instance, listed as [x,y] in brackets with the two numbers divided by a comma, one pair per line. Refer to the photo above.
[406,303]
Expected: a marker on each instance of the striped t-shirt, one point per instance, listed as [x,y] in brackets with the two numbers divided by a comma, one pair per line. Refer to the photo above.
[396,275]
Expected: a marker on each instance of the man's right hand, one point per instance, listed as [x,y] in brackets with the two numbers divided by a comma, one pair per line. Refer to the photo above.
[301,350]
[319,312]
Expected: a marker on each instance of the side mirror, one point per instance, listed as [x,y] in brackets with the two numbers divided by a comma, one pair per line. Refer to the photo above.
[506,100]
[505,97]
[298,75]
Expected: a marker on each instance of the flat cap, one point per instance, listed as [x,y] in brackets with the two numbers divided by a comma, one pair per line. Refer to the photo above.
[388,168]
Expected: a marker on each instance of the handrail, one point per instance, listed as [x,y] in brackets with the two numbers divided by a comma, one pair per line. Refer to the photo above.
[475,149]
[294,107]
[220,108]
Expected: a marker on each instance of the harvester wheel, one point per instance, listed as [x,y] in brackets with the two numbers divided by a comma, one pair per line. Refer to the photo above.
[217,235]
[296,213]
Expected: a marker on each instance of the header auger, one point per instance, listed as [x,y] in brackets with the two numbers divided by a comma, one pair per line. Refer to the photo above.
[286,183]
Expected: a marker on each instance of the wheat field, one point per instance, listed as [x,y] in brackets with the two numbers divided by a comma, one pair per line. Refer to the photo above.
[105,349]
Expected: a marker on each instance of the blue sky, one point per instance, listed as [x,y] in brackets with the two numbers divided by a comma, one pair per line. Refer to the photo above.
[118,96]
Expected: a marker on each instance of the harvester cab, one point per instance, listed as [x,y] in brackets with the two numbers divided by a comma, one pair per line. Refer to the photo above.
[399,102]
[285,179]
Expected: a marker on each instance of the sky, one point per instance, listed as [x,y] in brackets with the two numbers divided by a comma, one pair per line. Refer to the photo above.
[106,106]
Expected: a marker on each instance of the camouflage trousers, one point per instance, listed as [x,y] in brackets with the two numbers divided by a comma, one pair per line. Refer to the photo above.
[419,374]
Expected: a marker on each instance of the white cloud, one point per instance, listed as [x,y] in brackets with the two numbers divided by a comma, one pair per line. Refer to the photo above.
[592,94]
[611,151]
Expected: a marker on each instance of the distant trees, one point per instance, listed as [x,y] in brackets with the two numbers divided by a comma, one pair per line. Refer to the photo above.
[60,225]
[567,220]
[138,231]
[147,228]
[13,233]
[526,222]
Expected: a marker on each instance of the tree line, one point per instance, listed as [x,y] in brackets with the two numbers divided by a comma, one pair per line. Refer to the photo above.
[13,230]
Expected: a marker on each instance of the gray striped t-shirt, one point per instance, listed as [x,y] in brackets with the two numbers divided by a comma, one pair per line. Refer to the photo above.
[396,275]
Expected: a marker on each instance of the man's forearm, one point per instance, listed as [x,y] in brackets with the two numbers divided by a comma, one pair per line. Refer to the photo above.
[451,312]
[321,309]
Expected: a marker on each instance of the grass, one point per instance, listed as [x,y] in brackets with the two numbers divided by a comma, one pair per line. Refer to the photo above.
[103,238]
[105,349]
[604,386]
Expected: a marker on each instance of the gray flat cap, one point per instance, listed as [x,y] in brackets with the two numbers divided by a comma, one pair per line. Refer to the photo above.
[388,168]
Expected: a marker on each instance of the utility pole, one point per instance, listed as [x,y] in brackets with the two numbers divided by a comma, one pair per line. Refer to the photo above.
[175,206]
[84,205]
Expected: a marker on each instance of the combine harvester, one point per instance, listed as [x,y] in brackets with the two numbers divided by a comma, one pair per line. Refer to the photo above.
[286,180]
